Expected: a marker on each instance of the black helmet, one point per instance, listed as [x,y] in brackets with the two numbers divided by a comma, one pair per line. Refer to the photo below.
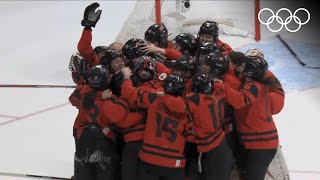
[256,68]
[100,49]
[109,56]
[145,64]
[98,77]
[219,63]
[157,33]
[187,42]
[187,64]
[209,28]
[201,83]
[206,48]
[131,48]
[174,85]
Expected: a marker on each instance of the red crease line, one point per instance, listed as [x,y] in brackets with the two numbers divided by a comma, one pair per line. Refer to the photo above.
[5,116]
[33,114]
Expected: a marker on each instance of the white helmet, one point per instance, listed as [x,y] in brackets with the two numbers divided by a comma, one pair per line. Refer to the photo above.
[254,52]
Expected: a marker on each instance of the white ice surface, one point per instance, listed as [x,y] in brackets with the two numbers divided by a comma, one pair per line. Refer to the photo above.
[36,41]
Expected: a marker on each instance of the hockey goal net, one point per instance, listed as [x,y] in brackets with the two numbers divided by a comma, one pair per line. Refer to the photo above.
[235,18]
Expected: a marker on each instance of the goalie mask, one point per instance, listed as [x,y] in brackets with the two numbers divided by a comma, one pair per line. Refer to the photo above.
[254,52]
[77,63]
[78,68]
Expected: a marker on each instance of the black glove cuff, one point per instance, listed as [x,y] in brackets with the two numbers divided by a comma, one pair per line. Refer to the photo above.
[87,27]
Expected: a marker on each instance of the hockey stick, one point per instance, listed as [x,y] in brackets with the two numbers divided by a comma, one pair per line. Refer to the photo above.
[34,86]
[31,175]
[295,55]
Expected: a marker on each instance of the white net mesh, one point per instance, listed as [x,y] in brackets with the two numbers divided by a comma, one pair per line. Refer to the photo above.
[233,17]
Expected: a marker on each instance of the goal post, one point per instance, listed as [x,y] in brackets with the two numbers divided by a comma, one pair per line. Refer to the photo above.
[257,35]
[235,18]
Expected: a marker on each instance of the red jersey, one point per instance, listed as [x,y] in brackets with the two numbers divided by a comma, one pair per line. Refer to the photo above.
[85,48]
[254,121]
[171,53]
[276,95]
[162,71]
[164,140]
[92,109]
[188,85]
[136,132]
[231,79]
[207,112]
[224,48]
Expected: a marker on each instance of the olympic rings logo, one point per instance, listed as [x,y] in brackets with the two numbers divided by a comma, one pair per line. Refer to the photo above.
[286,21]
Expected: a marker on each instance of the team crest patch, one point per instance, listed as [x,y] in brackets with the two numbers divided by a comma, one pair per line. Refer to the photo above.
[162,76]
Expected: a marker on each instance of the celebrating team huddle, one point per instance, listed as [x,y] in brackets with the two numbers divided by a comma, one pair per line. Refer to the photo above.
[155,109]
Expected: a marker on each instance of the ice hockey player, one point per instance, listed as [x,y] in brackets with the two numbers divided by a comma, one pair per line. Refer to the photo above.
[96,155]
[132,51]
[114,61]
[162,151]
[206,105]
[257,131]
[157,37]
[277,168]
[185,43]
[145,80]
[185,67]
[276,93]
[79,66]
[204,50]
[209,32]
[90,18]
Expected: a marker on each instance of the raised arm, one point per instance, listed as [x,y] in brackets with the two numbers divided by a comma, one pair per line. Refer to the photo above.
[90,19]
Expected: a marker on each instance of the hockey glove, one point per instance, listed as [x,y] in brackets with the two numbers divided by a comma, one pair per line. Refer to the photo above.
[90,17]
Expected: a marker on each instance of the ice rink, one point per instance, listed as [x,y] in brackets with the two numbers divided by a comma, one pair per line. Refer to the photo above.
[37,40]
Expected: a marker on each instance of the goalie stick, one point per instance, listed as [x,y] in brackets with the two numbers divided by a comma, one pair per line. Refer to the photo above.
[31,175]
[295,55]
[35,86]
